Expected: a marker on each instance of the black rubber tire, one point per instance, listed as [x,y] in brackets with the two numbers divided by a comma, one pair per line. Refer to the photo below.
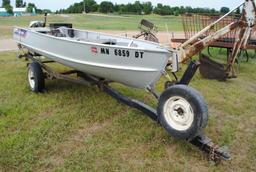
[196,102]
[168,84]
[38,77]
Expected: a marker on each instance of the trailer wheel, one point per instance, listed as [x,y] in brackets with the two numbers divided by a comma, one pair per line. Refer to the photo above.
[35,77]
[182,112]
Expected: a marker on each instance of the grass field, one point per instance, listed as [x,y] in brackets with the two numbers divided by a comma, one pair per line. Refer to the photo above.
[77,128]
[94,21]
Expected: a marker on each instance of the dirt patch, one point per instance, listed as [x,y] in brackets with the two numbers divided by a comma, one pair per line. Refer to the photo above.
[110,16]
[5,27]
[64,15]
[163,37]
[7,45]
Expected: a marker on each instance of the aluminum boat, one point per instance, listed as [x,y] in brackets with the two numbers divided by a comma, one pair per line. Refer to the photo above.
[135,63]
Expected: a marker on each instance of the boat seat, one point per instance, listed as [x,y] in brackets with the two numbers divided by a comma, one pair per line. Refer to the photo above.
[104,41]
[108,41]
[65,32]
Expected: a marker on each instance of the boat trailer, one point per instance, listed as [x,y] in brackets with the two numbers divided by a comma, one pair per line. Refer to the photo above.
[181,110]
[201,141]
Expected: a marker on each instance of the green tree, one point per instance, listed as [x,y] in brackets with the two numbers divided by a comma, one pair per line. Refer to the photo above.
[189,9]
[212,11]
[121,8]
[164,9]
[224,10]
[158,8]
[106,7]
[147,7]
[129,8]
[9,9]
[20,4]
[6,3]
[75,8]
[43,11]
[30,7]
[134,8]
[116,7]
[176,13]
[90,6]
[182,10]
[137,7]
[238,11]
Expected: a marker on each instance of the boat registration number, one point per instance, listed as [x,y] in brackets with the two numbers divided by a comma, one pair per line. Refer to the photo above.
[126,53]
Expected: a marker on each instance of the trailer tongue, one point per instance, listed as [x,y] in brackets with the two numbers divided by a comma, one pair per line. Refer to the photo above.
[213,151]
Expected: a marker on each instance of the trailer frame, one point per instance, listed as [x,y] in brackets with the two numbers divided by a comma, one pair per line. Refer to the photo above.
[201,141]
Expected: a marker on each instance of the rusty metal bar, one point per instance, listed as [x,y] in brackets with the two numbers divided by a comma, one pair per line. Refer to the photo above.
[217,32]
[200,45]
[196,36]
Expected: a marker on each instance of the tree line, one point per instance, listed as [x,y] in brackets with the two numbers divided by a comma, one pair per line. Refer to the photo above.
[30,7]
[137,7]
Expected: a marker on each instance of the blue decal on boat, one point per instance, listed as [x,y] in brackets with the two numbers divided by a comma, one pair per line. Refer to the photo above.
[21,32]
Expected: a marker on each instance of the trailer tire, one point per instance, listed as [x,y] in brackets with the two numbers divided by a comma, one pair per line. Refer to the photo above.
[182,111]
[36,77]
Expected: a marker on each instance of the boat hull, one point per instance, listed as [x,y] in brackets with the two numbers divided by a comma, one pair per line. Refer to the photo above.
[132,66]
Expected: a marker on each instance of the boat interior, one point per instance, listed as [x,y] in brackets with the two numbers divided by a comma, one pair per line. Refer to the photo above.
[65,31]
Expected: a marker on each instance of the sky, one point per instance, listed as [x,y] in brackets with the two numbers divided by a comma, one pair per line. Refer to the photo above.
[217,4]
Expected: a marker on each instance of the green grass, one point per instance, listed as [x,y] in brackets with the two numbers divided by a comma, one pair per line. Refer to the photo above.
[77,128]
[94,21]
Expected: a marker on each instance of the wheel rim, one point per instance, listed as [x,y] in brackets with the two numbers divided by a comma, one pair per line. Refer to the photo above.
[31,78]
[178,113]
